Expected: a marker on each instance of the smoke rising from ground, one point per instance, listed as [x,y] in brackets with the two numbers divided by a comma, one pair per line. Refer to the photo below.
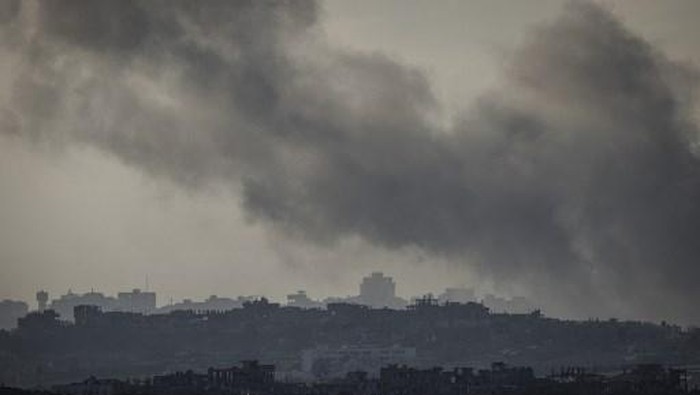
[576,178]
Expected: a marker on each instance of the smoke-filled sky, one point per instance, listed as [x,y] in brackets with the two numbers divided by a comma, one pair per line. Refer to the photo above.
[546,149]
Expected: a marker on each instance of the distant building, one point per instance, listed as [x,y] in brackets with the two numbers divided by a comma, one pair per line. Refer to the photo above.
[250,376]
[136,301]
[302,300]
[39,321]
[422,302]
[330,362]
[217,303]
[379,291]
[85,314]
[65,304]
[213,303]
[42,298]
[10,312]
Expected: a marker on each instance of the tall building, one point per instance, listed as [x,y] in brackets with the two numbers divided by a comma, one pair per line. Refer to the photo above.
[302,300]
[379,291]
[42,298]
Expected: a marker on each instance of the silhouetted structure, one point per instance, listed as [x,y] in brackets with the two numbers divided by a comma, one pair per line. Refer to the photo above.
[10,311]
[42,298]
[38,323]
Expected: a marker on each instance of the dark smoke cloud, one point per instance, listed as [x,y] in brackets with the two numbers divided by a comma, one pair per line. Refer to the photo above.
[577,179]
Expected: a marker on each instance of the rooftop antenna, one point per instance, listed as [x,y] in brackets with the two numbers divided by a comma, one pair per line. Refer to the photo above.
[147,283]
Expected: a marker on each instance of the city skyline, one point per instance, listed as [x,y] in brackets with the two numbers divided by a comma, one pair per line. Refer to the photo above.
[375,291]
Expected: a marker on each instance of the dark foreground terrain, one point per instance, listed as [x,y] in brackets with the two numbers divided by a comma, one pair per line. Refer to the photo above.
[44,350]
[252,378]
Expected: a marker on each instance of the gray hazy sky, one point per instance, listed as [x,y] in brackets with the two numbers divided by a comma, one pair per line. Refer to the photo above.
[77,215]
